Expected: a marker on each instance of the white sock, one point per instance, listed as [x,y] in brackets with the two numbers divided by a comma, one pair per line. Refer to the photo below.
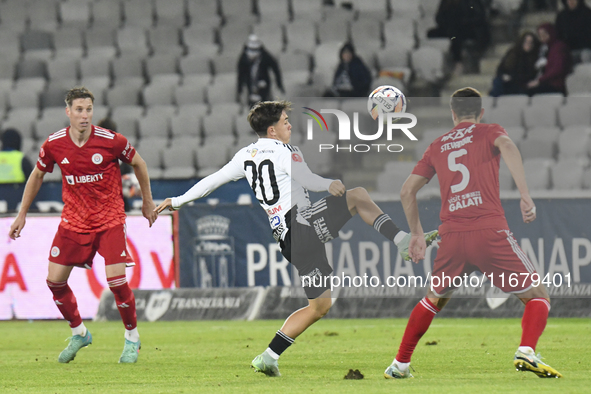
[132,335]
[525,349]
[272,354]
[80,330]
[401,234]
[401,366]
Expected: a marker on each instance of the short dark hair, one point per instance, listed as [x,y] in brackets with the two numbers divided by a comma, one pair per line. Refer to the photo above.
[78,93]
[266,113]
[466,102]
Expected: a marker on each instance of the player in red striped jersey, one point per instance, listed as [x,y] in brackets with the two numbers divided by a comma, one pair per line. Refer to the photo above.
[474,231]
[93,218]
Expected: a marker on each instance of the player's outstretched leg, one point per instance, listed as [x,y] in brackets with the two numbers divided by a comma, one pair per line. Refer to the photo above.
[359,202]
[533,323]
[295,324]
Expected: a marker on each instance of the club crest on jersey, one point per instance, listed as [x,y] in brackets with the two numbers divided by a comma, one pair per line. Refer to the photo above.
[97,158]
[55,251]
[253,152]
[41,152]
[296,157]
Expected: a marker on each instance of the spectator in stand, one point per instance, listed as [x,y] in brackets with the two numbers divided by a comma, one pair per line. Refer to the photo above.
[253,71]
[517,67]
[573,26]
[463,22]
[553,71]
[352,78]
[14,165]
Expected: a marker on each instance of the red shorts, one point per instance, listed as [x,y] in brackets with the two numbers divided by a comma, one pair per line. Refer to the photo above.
[492,252]
[78,249]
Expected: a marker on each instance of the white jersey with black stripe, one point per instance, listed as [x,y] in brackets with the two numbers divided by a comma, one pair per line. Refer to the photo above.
[277,174]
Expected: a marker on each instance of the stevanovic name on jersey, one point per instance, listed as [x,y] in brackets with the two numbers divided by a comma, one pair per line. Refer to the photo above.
[467,165]
[277,174]
[91,178]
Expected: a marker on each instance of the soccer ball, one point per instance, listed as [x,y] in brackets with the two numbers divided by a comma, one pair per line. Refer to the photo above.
[385,99]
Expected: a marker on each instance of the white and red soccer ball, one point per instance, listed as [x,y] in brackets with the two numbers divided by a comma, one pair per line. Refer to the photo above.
[385,99]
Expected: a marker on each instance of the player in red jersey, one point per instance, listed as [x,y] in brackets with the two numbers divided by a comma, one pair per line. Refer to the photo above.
[474,231]
[93,219]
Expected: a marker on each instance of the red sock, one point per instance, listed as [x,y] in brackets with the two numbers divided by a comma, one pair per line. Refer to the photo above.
[534,321]
[420,319]
[66,302]
[124,299]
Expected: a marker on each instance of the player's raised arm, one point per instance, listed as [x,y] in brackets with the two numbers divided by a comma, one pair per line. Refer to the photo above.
[230,172]
[141,172]
[31,189]
[512,158]
[408,196]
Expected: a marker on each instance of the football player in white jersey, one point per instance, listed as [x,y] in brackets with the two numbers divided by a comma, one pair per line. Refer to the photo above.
[280,180]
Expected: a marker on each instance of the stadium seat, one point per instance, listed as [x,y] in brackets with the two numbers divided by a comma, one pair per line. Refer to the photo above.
[152,154]
[393,57]
[204,13]
[225,63]
[98,86]
[128,70]
[55,93]
[376,10]
[326,59]
[75,14]
[183,141]
[14,15]
[218,123]
[178,163]
[68,43]
[537,173]
[43,15]
[533,148]
[506,116]
[222,90]
[575,113]
[580,80]
[123,95]
[273,11]
[309,10]
[187,123]
[189,93]
[335,28]
[271,35]
[132,41]
[165,40]
[587,178]
[574,141]
[237,10]
[152,125]
[548,100]
[427,63]
[107,13]
[233,37]
[37,44]
[63,68]
[138,13]
[45,127]
[195,64]
[514,100]
[163,66]
[210,158]
[567,174]
[170,12]
[405,9]
[99,112]
[125,117]
[22,119]
[100,42]
[158,94]
[198,35]
[540,116]
[365,33]
[301,36]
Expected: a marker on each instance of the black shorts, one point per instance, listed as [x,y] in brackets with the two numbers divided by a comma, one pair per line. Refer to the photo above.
[303,245]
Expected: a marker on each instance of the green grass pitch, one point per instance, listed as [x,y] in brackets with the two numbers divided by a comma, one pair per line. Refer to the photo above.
[470,355]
